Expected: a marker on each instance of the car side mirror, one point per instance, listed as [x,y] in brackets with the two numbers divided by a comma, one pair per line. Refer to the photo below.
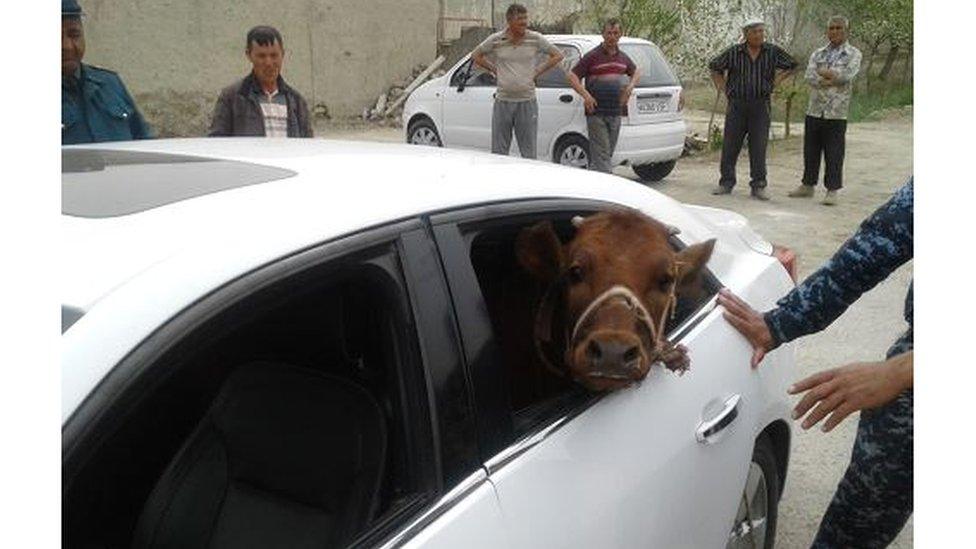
[462,84]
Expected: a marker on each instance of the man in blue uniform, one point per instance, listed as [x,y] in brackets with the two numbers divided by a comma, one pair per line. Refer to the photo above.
[95,106]
[874,499]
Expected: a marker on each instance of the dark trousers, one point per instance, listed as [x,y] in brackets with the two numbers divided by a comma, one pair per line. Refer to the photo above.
[823,137]
[874,499]
[745,117]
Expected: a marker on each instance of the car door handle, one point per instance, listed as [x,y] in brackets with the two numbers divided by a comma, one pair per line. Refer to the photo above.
[566,98]
[708,429]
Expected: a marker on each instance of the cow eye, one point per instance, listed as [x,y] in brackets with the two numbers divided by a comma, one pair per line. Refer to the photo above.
[575,274]
[665,283]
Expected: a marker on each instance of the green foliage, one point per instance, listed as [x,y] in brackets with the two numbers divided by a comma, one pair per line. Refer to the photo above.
[653,20]
[877,22]
[867,106]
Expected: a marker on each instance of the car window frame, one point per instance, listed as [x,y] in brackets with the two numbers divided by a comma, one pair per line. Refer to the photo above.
[542,84]
[494,413]
[93,421]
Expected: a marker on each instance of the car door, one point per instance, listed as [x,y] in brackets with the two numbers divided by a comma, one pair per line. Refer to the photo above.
[658,465]
[368,313]
[560,107]
[468,101]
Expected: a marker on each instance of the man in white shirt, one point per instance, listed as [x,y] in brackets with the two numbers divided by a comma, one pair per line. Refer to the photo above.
[510,55]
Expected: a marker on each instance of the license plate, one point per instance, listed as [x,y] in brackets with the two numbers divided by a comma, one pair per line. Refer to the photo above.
[651,106]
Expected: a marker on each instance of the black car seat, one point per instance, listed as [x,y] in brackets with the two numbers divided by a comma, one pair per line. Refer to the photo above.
[285,457]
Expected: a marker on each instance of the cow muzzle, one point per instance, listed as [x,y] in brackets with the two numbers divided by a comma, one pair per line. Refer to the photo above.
[612,341]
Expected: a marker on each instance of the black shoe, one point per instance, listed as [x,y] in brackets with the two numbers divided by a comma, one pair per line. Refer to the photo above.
[722,189]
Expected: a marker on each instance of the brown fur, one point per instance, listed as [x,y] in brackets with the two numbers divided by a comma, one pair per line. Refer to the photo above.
[619,247]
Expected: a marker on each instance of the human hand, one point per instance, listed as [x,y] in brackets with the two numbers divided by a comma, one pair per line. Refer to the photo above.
[786,258]
[851,388]
[749,322]
[589,104]
[625,96]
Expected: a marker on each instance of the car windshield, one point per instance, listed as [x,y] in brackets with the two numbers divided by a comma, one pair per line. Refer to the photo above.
[654,69]
[108,183]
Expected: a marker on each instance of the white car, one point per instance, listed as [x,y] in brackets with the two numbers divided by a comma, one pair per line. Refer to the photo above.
[455,109]
[292,343]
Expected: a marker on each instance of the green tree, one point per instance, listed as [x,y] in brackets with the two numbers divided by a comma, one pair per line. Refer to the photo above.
[878,23]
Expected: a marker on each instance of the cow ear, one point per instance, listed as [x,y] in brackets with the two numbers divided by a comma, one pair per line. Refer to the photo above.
[539,252]
[691,262]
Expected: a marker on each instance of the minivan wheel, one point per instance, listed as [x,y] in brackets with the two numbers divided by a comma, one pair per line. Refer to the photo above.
[423,132]
[656,171]
[573,150]
[755,521]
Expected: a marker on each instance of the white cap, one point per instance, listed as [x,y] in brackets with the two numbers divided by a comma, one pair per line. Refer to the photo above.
[753,22]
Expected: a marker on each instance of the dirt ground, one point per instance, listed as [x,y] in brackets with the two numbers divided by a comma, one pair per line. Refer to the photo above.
[878,161]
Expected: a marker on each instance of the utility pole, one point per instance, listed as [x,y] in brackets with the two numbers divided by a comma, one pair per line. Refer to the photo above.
[493,27]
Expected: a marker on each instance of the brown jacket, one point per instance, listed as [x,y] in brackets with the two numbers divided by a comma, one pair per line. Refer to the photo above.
[238,113]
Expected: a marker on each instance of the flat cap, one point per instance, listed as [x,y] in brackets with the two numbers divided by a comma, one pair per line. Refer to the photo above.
[753,22]
[70,8]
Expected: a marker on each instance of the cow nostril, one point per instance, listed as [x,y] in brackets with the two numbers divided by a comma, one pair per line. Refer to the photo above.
[593,351]
[632,354]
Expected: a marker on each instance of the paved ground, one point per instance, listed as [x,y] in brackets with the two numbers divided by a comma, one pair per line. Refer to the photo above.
[879,160]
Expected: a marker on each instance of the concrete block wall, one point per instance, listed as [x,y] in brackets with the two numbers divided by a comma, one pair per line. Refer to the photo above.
[176,55]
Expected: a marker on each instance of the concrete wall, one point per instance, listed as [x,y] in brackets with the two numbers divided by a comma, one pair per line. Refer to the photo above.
[176,55]
[539,10]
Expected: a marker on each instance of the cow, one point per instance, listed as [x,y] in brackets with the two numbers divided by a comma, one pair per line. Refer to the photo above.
[610,292]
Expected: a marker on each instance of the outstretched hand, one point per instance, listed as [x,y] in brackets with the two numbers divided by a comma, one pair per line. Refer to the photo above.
[851,388]
[748,322]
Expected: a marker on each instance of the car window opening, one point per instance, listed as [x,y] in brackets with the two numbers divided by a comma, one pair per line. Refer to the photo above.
[536,394]
[267,375]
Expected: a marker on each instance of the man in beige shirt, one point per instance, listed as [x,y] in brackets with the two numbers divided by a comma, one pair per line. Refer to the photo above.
[510,55]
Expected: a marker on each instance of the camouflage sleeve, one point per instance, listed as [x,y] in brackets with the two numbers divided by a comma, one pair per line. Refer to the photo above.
[882,244]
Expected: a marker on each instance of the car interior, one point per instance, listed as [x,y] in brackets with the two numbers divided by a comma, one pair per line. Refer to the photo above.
[288,419]
[536,393]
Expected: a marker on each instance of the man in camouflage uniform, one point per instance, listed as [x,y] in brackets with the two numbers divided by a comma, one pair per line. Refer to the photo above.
[874,498]
[95,106]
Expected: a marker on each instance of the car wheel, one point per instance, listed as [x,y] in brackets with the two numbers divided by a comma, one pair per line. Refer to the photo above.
[573,150]
[755,521]
[656,171]
[423,132]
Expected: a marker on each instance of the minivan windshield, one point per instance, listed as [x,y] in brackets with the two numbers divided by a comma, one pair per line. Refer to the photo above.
[654,69]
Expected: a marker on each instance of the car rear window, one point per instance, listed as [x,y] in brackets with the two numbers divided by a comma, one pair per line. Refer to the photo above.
[110,183]
[655,71]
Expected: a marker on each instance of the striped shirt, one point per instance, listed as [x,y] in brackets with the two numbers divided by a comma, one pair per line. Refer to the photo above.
[606,77]
[274,110]
[748,78]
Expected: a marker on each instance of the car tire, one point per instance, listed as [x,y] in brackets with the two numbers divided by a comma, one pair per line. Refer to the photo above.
[572,150]
[656,171]
[423,132]
[755,522]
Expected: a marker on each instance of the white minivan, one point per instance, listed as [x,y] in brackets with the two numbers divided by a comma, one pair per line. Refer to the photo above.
[455,109]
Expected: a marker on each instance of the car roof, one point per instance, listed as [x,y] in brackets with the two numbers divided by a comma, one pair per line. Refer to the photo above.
[336,188]
[593,39]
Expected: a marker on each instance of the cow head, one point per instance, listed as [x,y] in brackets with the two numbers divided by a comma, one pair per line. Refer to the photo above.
[611,289]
